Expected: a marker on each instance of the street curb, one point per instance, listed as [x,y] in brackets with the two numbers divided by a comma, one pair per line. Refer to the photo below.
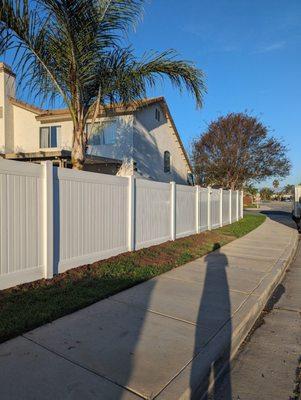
[189,384]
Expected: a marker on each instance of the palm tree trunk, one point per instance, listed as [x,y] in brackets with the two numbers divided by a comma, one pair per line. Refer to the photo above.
[78,153]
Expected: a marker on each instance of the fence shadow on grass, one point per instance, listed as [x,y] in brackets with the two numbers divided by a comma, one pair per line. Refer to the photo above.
[214,313]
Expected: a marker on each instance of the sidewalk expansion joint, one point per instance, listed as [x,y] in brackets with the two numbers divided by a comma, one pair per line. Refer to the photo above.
[197,284]
[92,371]
[155,312]
[287,309]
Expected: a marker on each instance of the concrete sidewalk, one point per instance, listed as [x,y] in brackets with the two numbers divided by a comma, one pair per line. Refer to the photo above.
[159,339]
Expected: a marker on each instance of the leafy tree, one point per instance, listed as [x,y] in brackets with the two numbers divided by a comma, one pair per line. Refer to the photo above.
[266,193]
[250,189]
[275,184]
[73,49]
[235,150]
[288,189]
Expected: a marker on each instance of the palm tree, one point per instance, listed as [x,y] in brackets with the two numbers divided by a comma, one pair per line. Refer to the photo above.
[73,49]
[275,184]
[266,193]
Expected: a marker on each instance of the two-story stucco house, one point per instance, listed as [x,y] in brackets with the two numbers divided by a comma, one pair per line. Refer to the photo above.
[137,139]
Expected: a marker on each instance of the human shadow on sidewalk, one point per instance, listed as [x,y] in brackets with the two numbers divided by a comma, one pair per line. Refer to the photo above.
[214,315]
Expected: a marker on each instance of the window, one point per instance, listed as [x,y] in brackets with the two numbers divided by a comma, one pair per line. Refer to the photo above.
[166,161]
[49,136]
[157,115]
[103,133]
[190,179]
[109,133]
[94,138]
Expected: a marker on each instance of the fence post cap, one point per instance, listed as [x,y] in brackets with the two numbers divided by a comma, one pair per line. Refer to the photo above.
[46,162]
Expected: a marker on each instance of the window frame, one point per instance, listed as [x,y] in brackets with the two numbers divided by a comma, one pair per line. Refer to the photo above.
[90,138]
[157,114]
[102,133]
[49,136]
[167,170]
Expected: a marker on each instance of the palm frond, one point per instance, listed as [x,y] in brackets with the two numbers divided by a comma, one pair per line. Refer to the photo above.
[124,79]
[73,50]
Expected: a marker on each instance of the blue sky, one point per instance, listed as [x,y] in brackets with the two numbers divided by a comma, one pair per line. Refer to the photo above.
[250,51]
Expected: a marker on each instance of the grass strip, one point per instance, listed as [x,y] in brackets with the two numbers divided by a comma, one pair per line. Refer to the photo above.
[30,305]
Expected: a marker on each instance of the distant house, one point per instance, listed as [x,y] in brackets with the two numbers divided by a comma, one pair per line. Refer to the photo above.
[137,139]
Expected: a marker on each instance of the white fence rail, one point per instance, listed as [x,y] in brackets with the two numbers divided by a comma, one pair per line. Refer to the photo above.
[54,219]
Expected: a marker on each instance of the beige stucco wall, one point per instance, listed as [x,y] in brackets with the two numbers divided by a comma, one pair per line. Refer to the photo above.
[7,88]
[151,139]
[26,131]
[27,139]
[2,119]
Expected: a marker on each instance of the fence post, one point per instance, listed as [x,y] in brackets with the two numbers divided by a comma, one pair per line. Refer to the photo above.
[209,208]
[48,246]
[230,206]
[131,212]
[221,207]
[197,209]
[173,221]
[241,204]
[237,205]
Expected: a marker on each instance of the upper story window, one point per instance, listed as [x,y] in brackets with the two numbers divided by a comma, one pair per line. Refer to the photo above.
[49,136]
[167,166]
[157,114]
[190,179]
[103,133]
[94,138]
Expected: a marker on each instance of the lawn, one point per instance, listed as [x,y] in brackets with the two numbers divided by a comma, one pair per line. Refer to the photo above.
[30,305]
[251,206]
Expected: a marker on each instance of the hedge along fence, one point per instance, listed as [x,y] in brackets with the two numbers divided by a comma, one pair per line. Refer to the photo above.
[53,219]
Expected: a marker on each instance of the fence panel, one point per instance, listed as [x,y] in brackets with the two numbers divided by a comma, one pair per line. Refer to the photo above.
[91,217]
[226,207]
[21,223]
[215,208]
[203,209]
[185,210]
[153,215]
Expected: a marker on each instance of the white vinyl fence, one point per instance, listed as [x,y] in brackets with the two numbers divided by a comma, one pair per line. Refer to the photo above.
[297,200]
[53,219]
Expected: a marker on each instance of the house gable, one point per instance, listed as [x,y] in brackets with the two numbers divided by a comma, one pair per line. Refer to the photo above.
[155,134]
